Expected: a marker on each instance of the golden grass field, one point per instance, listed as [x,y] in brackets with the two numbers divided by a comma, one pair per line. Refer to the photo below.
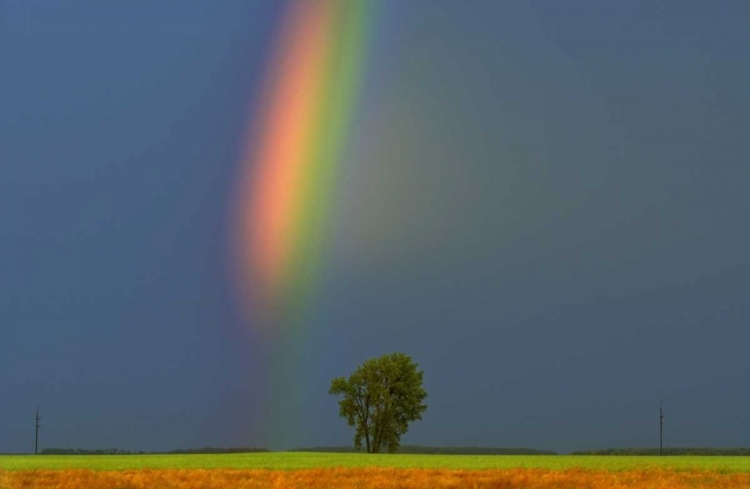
[287,470]
[366,478]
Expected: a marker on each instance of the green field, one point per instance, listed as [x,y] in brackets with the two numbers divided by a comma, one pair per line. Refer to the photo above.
[288,461]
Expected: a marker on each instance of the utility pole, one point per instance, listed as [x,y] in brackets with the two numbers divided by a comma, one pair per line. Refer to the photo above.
[661,429]
[36,435]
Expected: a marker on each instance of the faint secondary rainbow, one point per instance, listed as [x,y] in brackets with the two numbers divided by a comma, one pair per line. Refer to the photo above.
[294,152]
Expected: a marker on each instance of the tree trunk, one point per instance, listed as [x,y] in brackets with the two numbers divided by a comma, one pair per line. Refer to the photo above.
[367,435]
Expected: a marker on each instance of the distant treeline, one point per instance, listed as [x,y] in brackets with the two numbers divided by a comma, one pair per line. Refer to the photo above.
[406,449]
[668,451]
[219,450]
[420,450]
[117,451]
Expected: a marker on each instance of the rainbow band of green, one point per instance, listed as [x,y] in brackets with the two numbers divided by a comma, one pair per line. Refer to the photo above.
[342,88]
[344,76]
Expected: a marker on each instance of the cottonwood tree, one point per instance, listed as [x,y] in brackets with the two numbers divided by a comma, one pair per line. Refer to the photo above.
[380,399]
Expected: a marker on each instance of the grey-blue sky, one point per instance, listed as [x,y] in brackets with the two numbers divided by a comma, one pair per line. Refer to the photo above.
[545,205]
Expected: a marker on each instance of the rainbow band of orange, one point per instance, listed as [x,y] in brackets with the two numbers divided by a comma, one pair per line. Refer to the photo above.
[294,157]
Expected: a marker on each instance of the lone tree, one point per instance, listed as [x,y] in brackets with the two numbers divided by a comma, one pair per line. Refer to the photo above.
[380,399]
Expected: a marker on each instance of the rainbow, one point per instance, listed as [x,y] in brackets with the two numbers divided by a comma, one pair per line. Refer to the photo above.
[293,159]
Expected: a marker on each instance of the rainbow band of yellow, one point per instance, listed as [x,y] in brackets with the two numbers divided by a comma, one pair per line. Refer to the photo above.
[291,171]
[295,151]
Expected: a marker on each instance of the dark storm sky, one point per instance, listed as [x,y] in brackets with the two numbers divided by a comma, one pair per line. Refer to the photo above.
[546,207]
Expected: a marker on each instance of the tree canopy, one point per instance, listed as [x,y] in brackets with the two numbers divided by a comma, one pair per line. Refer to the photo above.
[380,399]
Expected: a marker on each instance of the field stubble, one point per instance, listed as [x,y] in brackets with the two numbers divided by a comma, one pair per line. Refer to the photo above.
[374,477]
[318,470]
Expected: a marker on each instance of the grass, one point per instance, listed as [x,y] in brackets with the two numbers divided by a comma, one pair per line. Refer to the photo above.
[291,461]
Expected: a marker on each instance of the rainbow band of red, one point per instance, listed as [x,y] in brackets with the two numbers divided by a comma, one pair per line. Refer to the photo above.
[295,149]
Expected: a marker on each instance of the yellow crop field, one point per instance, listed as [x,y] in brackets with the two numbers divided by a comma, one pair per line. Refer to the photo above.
[374,477]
